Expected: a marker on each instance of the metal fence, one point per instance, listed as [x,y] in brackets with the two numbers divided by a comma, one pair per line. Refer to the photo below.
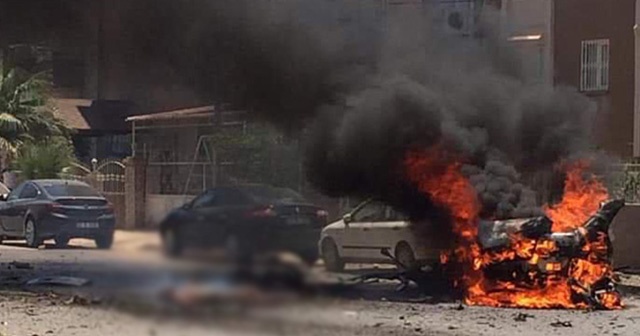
[623,181]
[108,177]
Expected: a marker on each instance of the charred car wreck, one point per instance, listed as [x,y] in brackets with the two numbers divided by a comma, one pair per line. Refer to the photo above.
[526,254]
[520,260]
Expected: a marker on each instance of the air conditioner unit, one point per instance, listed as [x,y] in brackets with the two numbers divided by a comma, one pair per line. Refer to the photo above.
[458,17]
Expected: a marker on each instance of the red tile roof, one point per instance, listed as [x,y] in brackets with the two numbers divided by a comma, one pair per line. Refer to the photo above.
[96,115]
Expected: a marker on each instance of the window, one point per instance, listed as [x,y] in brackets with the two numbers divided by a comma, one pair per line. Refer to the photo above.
[594,68]
[121,144]
[74,190]
[231,197]
[371,212]
[29,192]
[206,200]
[16,192]
[263,195]
[393,215]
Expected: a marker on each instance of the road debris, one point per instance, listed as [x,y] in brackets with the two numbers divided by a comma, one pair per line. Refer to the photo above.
[562,324]
[522,317]
[20,265]
[58,281]
[82,301]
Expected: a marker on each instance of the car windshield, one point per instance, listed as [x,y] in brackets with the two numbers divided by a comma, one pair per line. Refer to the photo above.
[270,195]
[71,190]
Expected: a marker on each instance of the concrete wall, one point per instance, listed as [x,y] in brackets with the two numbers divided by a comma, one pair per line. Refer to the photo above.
[119,208]
[579,20]
[135,192]
[158,206]
[625,235]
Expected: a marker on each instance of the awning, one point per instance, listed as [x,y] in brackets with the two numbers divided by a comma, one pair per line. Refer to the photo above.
[196,112]
[525,38]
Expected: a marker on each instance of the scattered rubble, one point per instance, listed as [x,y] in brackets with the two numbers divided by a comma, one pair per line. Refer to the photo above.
[561,324]
[58,281]
[522,317]
[20,265]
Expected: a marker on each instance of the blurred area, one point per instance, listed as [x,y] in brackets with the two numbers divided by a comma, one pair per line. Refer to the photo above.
[227,160]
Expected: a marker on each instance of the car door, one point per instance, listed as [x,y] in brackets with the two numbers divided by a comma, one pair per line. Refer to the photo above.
[20,206]
[196,233]
[356,243]
[217,214]
[388,231]
[17,207]
[6,209]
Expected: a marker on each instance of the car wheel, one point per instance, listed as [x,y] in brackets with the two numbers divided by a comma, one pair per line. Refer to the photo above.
[31,233]
[172,242]
[405,256]
[331,257]
[104,242]
[62,242]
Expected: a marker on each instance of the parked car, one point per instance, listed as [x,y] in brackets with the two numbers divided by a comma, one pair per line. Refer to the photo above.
[56,209]
[245,220]
[362,235]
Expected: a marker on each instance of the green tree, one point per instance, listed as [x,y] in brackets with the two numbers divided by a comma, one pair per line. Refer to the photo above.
[25,113]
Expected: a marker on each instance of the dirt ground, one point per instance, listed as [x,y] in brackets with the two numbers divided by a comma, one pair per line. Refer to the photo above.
[31,314]
[120,301]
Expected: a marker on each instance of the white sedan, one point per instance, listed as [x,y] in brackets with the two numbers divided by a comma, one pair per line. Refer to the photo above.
[362,235]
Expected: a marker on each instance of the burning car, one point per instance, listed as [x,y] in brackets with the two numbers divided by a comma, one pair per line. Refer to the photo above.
[522,259]
[560,260]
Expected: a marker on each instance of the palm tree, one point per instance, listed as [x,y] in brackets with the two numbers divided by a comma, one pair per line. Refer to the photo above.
[24,111]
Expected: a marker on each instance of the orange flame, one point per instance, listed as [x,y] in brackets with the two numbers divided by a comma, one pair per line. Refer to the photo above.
[438,175]
[581,198]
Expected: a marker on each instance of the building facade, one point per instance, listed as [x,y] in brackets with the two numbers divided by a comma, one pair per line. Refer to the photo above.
[594,51]
[589,45]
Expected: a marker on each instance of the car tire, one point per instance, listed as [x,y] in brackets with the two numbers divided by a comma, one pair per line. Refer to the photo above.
[331,256]
[31,233]
[62,242]
[405,256]
[104,242]
[172,242]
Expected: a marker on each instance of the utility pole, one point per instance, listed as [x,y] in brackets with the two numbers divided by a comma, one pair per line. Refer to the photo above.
[100,57]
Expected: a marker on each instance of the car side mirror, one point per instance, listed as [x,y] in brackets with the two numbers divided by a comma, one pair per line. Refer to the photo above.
[4,197]
[347,218]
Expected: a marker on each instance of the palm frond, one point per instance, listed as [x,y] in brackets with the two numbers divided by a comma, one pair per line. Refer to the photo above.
[8,148]
[8,122]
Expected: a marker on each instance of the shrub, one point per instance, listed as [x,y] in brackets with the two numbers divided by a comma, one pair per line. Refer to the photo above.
[45,159]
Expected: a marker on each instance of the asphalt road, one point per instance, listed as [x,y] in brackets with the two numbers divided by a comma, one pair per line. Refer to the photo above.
[123,299]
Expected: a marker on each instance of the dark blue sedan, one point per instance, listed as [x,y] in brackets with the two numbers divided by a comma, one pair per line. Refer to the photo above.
[246,220]
[56,209]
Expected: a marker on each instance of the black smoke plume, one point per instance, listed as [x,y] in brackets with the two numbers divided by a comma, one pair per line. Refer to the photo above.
[365,83]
